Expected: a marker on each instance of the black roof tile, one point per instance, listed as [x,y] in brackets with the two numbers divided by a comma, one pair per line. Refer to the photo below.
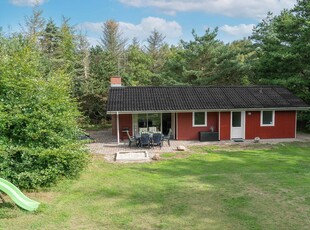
[182,98]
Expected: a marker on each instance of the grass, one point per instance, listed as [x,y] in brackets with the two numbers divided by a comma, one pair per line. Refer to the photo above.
[260,187]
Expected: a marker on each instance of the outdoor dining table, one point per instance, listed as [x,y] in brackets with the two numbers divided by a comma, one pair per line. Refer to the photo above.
[137,136]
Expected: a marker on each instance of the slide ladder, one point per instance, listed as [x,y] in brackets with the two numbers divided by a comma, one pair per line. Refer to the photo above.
[17,196]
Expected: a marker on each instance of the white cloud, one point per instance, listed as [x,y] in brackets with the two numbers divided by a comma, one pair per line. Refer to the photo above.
[171,29]
[233,8]
[27,2]
[241,30]
[94,27]
[93,41]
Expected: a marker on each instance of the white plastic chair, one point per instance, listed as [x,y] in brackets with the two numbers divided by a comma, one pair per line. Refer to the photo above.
[142,130]
[152,129]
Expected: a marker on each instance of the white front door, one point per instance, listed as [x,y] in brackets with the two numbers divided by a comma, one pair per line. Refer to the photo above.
[237,124]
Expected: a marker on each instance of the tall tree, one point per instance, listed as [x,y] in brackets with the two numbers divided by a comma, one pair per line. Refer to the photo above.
[34,24]
[206,60]
[112,40]
[38,125]
[67,46]
[82,65]
[283,51]
[137,66]
[157,50]
[83,47]
[154,43]
[234,60]
[95,90]
[201,58]
[105,60]
[50,38]
[174,67]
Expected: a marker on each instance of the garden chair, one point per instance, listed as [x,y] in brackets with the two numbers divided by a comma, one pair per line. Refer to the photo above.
[142,130]
[131,139]
[152,129]
[167,137]
[157,140]
[144,140]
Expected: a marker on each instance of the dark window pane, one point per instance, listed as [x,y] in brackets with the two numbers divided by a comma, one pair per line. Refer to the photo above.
[199,118]
[149,120]
[142,120]
[267,117]
[236,119]
[154,120]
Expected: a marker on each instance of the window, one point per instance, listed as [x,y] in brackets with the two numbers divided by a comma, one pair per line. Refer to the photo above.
[267,118]
[142,120]
[199,119]
[154,120]
[236,119]
[145,121]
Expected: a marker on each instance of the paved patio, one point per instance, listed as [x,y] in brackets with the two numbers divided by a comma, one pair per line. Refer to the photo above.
[106,144]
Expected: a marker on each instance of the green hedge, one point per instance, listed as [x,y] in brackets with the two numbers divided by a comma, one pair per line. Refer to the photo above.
[33,168]
[38,117]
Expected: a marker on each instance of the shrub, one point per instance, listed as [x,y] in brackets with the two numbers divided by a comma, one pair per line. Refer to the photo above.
[38,118]
[39,167]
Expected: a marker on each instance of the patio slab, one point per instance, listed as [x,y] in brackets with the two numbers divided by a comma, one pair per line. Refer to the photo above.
[106,144]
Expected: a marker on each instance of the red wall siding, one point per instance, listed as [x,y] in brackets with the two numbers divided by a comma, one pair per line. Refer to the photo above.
[113,124]
[186,131]
[125,121]
[225,126]
[284,126]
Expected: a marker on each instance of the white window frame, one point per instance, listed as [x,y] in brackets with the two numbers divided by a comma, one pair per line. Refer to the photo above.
[261,118]
[205,116]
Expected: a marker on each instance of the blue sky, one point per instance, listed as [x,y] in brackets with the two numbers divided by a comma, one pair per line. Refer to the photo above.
[137,18]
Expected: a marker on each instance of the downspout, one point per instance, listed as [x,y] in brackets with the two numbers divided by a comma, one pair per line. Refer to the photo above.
[117,127]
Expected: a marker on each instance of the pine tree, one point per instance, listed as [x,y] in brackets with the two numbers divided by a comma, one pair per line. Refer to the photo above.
[34,24]
[112,39]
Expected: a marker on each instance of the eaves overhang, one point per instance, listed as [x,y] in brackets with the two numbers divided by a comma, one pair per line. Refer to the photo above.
[211,110]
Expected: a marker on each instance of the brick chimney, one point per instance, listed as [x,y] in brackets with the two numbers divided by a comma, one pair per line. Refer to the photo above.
[116,81]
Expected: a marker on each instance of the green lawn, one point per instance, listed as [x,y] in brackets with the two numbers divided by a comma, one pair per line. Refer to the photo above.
[260,187]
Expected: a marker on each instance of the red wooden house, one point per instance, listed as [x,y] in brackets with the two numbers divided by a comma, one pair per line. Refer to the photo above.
[226,112]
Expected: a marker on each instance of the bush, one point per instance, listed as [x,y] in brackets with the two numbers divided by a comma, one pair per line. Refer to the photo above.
[37,167]
[38,118]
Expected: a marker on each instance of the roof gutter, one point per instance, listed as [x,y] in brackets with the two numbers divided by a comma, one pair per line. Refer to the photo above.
[210,110]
